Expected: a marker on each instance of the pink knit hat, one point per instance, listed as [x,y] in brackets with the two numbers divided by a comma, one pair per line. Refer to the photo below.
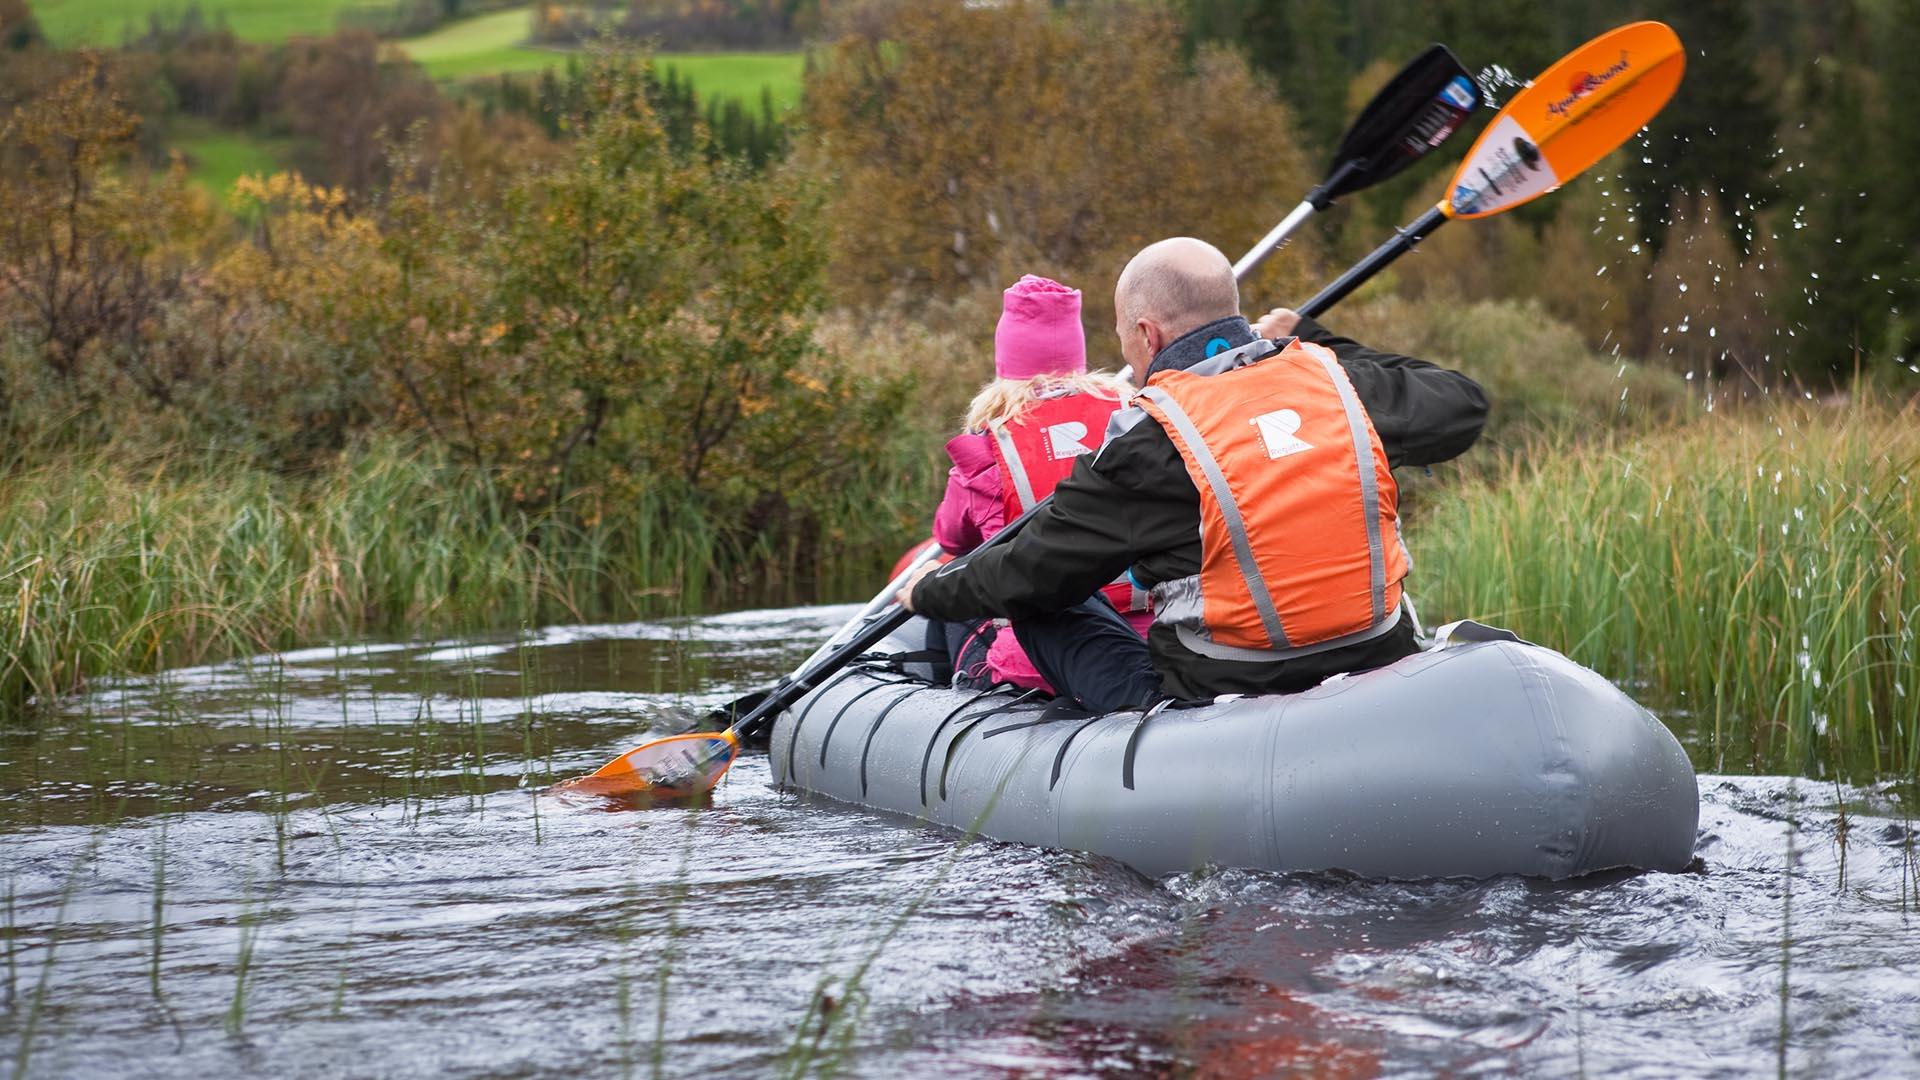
[1039,331]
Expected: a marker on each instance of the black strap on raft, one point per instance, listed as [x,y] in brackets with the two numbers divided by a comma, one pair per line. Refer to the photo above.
[1060,759]
[827,738]
[897,662]
[793,743]
[866,747]
[1133,743]
[960,732]
[926,759]
[1057,709]
[813,699]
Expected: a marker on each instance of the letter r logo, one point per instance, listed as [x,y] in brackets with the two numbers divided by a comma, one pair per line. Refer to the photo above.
[1064,440]
[1277,433]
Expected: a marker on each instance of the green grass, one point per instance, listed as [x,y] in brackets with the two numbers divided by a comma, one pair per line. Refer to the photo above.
[740,75]
[104,22]
[485,45]
[493,44]
[215,159]
[107,567]
[1756,579]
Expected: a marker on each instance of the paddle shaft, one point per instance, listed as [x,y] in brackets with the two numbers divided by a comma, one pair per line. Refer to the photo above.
[879,603]
[812,674]
[1357,275]
[1316,201]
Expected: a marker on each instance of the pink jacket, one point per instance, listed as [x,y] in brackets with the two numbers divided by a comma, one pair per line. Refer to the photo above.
[973,510]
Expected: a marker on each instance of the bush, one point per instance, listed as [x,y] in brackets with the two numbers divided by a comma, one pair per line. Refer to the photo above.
[1543,380]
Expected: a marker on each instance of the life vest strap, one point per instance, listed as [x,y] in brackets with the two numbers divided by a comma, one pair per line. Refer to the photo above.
[1016,468]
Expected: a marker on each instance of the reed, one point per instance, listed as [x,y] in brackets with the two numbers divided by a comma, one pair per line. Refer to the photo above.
[1757,579]
[109,567]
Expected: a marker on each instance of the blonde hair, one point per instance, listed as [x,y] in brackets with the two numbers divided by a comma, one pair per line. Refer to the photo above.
[1004,401]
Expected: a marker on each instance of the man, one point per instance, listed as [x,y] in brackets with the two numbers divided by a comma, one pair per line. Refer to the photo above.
[1250,491]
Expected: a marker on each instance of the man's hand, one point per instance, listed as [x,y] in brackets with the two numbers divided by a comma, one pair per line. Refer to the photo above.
[905,595]
[1277,323]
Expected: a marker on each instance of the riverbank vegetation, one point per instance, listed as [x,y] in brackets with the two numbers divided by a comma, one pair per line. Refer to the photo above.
[409,356]
[1755,577]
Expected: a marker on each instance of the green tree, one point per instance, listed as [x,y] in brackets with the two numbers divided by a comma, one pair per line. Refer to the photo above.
[1718,134]
[1841,197]
[19,30]
[637,319]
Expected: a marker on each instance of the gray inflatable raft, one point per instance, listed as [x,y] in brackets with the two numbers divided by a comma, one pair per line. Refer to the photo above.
[1496,757]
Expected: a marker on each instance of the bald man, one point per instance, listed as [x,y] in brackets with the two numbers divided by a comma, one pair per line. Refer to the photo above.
[1250,491]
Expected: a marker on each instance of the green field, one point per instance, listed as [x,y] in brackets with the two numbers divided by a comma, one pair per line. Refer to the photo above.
[105,22]
[215,159]
[484,45]
[740,75]
[494,45]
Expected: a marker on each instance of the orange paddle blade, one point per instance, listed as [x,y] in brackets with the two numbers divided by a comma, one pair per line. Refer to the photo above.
[676,767]
[1575,113]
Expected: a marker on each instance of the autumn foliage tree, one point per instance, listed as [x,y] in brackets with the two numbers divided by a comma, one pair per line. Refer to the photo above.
[971,143]
[633,318]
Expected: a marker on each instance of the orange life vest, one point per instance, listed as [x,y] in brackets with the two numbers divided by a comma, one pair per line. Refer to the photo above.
[1299,530]
[1037,451]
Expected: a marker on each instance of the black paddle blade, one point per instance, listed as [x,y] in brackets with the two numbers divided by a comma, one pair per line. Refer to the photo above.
[1416,111]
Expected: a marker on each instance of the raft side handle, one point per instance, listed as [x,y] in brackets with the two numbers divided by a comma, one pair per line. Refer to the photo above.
[926,761]
[793,741]
[827,738]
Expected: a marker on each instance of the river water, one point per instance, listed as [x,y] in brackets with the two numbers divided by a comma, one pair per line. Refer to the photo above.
[345,862]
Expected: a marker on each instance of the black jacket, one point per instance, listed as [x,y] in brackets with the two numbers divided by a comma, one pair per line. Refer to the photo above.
[1134,506]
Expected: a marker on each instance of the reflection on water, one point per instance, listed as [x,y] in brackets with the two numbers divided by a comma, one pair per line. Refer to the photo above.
[342,862]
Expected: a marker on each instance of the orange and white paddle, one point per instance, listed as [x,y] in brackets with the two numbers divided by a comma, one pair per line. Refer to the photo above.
[1575,113]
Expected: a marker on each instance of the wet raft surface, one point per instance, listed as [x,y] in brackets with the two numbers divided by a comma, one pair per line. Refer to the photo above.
[352,880]
[1477,760]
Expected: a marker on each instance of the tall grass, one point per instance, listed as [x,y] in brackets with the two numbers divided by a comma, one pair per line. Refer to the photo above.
[106,567]
[1759,578]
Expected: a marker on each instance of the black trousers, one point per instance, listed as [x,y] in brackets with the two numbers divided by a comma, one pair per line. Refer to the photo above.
[1091,655]
[1088,652]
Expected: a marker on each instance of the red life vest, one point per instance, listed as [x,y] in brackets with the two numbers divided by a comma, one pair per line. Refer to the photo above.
[1037,451]
[1299,527]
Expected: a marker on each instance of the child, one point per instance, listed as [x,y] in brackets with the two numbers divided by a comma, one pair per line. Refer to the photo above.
[1024,431]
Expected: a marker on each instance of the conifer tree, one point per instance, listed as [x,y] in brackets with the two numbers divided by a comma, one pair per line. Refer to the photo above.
[1718,133]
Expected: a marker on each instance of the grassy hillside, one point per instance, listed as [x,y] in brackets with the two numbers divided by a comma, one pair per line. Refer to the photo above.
[485,45]
[493,44]
[740,75]
[104,22]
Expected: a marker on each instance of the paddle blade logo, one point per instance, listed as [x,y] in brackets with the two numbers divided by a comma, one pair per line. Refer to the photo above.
[1583,83]
[1443,116]
[1506,169]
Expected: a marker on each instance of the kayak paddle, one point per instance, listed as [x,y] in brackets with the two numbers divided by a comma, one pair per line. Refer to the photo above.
[1576,112]
[1416,111]
[680,766]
